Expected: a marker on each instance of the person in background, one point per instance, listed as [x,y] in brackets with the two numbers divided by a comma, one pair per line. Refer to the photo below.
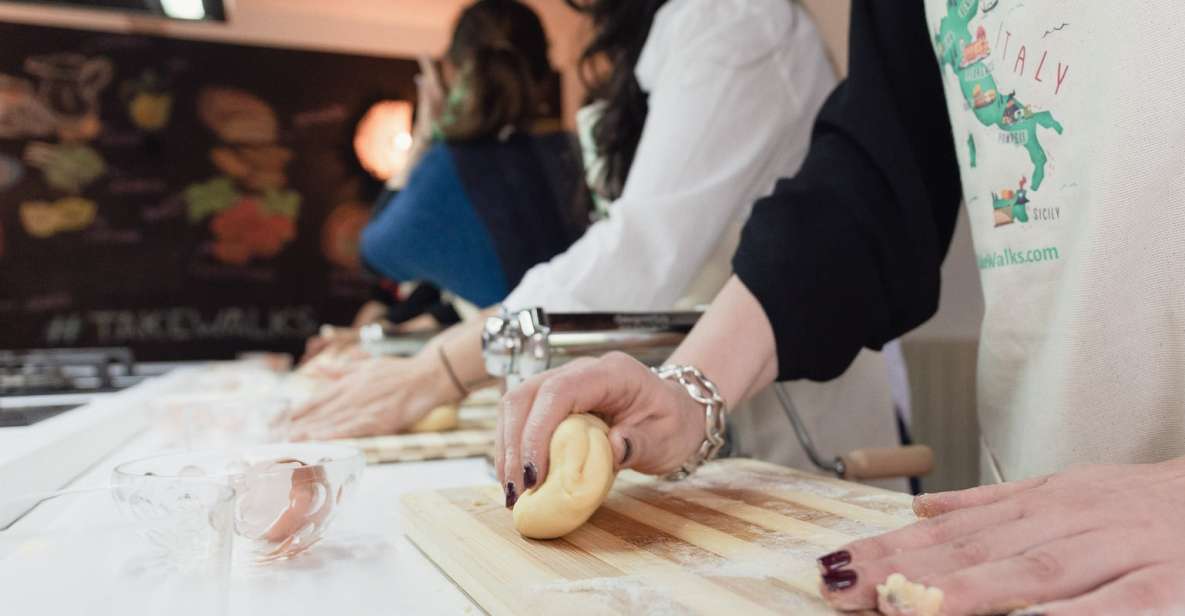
[493,189]
[700,106]
[1077,218]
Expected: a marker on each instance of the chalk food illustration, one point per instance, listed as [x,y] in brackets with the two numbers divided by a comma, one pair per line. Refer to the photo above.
[341,236]
[245,226]
[67,167]
[258,167]
[22,114]
[69,85]
[237,117]
[11,172]
[43,219]
[250,211]
[149,101]
[62,100]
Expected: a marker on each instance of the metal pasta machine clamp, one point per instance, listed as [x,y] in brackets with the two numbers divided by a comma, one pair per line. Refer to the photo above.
[520,344]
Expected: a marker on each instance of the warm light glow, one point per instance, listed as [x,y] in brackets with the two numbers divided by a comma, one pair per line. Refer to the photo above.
[383,139]
[403,141]
[183,9]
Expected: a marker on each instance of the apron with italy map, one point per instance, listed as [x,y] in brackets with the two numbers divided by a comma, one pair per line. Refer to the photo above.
[1071,142]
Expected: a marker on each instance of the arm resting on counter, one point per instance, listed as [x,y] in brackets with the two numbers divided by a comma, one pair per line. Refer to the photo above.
[461,344]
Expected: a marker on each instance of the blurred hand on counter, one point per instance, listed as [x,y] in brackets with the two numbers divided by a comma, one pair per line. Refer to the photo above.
[430,95]
[340,339]
[386,395]
[330,340]
[372,311]
[381,395]
[1090,540]
[654,425]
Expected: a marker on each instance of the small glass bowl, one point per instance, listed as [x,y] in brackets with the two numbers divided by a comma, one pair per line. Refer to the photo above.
[286,495]
[127,550]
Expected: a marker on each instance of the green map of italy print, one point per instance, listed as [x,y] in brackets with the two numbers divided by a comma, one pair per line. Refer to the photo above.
[964,55]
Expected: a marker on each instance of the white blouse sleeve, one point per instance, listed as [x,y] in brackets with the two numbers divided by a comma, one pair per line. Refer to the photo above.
[716,124]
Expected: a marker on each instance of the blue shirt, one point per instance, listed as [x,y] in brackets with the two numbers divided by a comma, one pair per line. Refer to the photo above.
[474,217]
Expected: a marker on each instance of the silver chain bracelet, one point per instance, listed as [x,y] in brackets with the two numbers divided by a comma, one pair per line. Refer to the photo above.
[704,392]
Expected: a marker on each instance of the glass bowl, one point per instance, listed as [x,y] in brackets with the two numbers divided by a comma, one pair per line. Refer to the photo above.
[119,550]
[286,495]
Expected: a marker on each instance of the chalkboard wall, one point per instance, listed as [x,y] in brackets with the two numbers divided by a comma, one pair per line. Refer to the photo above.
[187,199]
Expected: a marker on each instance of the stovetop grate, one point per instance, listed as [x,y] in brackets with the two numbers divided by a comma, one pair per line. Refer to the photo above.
[52,371]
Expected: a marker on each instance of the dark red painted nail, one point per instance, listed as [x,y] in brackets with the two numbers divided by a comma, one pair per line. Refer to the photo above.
[511,495]
[840,580]
[530,475]
[835,560]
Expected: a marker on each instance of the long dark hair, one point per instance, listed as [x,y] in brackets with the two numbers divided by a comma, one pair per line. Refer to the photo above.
[621,30]
[500,51]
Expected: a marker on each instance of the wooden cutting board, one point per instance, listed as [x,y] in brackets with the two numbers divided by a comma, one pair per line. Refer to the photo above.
[473,437]
[740,536]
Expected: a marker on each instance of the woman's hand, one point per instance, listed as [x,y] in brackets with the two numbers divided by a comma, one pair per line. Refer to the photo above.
[382,395]
[655,425]
[372,311]
[431,97]
[331,340]
[431,100]
[1092,540]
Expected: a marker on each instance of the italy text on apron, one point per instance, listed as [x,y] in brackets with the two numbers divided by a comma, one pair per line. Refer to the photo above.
[1068,131]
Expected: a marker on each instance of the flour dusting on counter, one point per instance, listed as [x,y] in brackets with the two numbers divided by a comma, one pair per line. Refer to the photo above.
[609,595]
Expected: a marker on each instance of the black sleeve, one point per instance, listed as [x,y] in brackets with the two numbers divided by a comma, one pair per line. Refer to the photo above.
[425,299]
[422,299]
[846,254]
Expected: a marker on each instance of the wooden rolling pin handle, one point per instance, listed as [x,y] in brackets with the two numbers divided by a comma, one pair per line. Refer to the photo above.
[888,462]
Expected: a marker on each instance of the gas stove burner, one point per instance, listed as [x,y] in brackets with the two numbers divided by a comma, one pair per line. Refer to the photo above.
[27,416]
[52,371]
[40,383]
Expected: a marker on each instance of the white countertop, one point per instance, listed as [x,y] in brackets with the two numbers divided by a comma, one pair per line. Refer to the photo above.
[49,454]
[365,564]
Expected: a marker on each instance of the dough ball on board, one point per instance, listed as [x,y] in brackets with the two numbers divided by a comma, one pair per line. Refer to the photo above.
[898,595]
[439,419]
[579,480]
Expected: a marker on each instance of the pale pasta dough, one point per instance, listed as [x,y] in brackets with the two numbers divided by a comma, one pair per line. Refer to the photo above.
[900,596]
[439,419]
[579,480]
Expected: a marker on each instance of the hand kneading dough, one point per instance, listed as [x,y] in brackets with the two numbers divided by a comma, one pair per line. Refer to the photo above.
[439,419]
[579,480]
[898,595]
